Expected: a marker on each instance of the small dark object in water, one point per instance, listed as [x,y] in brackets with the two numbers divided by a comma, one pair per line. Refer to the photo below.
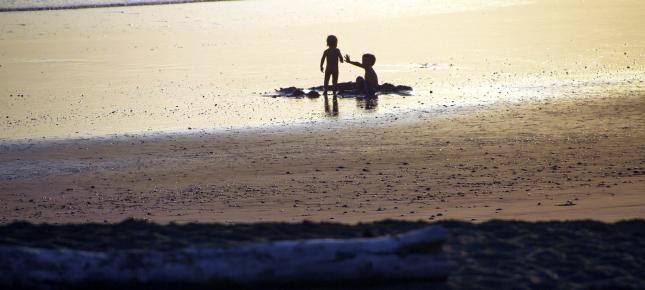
[390,88]
[290,92]
[298,93]
[313,94]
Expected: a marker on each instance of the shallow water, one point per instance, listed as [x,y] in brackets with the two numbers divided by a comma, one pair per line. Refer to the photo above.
[29,5]
[121,70]
[288,7]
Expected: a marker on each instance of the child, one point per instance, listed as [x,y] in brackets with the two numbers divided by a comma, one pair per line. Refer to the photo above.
[332,55]
[369,84]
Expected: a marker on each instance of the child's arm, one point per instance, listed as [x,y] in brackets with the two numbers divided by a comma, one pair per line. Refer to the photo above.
[358,64]
[340,56]
[322,61]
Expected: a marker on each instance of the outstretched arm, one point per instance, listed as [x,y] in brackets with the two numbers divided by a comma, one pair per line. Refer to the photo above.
[348,60]
[322,61]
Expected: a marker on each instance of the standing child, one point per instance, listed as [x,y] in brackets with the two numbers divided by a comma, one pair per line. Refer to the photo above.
[332,55]
[368,85]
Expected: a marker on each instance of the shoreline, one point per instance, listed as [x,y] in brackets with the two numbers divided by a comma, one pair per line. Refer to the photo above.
[323,126]
[103,5]
[352,121]
[551,159]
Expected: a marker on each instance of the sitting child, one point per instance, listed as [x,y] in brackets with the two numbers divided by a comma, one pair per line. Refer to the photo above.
[368,85]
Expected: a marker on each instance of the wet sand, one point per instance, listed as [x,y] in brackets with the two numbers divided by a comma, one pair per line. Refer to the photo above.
[559,159]
[131,70]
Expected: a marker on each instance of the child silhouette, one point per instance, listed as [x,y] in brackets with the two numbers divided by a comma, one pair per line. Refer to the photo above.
[368,85]
[332,55]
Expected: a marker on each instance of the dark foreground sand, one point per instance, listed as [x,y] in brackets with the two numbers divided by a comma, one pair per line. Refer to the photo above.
[580,158]
[491,255]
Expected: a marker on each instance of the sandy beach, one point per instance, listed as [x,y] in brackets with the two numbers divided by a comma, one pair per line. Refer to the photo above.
[561,159]
[163,146]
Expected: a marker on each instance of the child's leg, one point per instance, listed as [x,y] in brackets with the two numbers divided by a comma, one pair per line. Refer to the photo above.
[334,80]
[360,84]
[370,92]
[327,75]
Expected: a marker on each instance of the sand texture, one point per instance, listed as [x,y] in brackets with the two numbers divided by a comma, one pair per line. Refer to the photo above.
[552,160]
[524,134]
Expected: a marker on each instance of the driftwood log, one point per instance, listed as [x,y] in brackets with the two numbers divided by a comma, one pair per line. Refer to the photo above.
[409,256]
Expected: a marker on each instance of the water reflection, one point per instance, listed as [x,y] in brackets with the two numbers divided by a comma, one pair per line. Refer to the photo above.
[369,104]
[334,108]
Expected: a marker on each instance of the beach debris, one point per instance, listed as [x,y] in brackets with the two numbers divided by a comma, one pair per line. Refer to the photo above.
[390,88]
[346,89]
[408,256]
[313,94]
[568,203]
[298,93]
[290,92]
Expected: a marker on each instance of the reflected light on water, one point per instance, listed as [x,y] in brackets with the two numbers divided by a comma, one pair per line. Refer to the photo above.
[93,72]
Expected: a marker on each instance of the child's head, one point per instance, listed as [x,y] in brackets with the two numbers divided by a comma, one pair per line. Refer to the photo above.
[332,41]
[368,59]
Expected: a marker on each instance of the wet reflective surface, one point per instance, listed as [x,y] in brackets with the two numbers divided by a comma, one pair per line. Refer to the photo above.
[94,72]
